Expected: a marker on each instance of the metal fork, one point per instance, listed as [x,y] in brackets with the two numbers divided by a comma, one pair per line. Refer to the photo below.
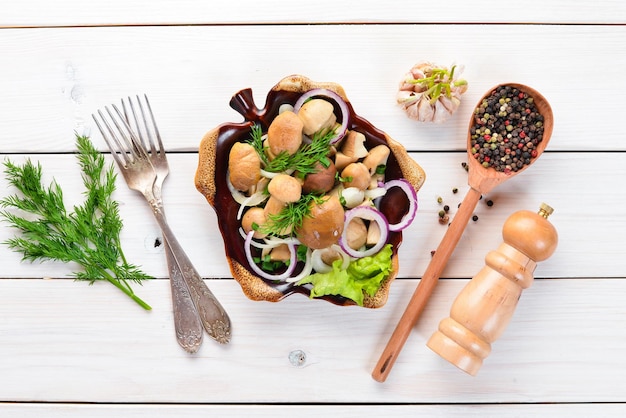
[144,170]
[187,322]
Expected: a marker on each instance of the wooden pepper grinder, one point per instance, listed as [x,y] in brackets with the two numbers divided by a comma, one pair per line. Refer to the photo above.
[486,304]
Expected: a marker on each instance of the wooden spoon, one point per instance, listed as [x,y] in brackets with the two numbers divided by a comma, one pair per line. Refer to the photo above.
[481,180]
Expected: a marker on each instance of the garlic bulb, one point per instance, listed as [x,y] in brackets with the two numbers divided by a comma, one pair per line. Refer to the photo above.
[431,93]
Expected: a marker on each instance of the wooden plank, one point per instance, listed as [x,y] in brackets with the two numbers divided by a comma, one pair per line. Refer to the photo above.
[345,411]
[591,221]
[68,342]
[58,77]
[118,12]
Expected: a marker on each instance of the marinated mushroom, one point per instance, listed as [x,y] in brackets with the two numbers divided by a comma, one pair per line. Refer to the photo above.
[273,207]
[280,253]
[356,175]
[285,188]
[373,234]
[342,160]
[353,145]
[244,166]
[322,181]
[317,115]
[376,157]
[330,255]
[285,133]
[356,233]
[254,216]
[324,226]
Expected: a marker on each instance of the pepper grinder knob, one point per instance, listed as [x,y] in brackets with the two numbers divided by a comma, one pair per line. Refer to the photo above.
[484,307]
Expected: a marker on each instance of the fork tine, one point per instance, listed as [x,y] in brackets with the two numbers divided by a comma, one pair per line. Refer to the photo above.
[154,126]
[132,143]
[156,129]
[119,149]
[138,130]
[114,149]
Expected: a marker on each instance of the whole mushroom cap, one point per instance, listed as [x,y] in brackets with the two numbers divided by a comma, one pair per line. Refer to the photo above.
[324,226]
[322,181]
[285,133]
[244,166]
[285,188]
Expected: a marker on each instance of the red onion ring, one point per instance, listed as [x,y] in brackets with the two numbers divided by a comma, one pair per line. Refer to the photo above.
[371,214]
[262,273]
[329,94]
[408,189]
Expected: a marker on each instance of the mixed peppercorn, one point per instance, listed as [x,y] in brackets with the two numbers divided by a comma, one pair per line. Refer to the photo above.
[507,129]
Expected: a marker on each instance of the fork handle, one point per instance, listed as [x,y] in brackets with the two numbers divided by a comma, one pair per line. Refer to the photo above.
[212,314]
[187,324]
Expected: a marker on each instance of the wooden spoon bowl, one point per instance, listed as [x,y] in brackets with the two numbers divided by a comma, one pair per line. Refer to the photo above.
[481,180]
[484,179]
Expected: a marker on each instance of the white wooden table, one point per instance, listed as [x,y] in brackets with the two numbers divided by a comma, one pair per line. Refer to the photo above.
[72,350]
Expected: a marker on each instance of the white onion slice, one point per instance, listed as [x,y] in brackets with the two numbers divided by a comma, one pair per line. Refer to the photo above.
[329,94]
[264,274]
[269,242]
[321,267]
[285,107]
[237,195]
[353,196]
[371,214]
[272,174]
[306,270]
[254,199]
[317,262]
[408,189]
[375,193]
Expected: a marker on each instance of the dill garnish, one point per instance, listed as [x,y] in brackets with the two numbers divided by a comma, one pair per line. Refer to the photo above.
[89,236]
[302,161]
[291,216]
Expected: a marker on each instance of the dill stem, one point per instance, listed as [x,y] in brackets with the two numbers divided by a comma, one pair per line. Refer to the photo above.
[126,289]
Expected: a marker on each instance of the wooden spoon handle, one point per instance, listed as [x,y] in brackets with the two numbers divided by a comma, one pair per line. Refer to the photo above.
[426,286]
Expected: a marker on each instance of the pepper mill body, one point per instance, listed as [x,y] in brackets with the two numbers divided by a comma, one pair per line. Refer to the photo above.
[485,306]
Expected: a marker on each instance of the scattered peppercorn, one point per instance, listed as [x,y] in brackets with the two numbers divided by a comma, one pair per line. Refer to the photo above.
[455,190]
[475,218]
[446,208]
[442,213]
[444,219]
[439,199]
[465,166]
[432,253]
[507,129]
[489,202]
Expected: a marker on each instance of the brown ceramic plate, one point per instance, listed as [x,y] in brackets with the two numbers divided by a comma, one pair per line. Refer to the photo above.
[210,180]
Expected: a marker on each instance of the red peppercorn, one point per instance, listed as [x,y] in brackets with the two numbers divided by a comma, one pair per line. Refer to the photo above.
[487,137]
[533,153]
[507,122]
[487,158]
[521,95]
[522,134]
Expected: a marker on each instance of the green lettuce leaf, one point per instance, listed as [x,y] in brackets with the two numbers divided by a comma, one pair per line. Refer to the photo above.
[363,275]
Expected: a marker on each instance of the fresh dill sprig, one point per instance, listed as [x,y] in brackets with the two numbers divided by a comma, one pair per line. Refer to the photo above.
[303,161]
[89,236]
[291,216]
